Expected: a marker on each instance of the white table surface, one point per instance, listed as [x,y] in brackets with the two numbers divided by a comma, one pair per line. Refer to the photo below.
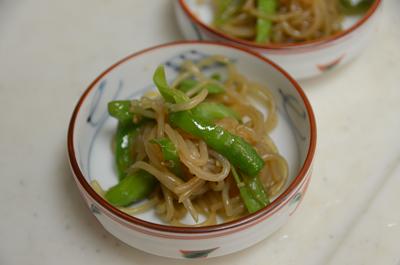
[51,50]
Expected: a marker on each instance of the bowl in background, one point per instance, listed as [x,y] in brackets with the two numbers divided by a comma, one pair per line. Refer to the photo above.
[301,60]
[89,149]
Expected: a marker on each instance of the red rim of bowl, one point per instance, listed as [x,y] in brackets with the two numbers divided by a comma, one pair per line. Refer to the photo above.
[192,230]
[305,44]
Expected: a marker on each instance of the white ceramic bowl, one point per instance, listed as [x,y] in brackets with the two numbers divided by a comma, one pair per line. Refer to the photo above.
[303,60]
[91,129]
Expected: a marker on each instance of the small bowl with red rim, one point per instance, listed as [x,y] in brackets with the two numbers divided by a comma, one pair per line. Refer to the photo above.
[91,158]
[302,60]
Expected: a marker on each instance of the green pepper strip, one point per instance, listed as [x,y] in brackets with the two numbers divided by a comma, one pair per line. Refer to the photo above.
[257,189]
[240,153]
[225,10]
[354,9]
[253,197]
[216,76]
[120,109]
[264,26]
[131,189]
[188,84]
[124,139]
[169,94]
[170,154]
[214,111]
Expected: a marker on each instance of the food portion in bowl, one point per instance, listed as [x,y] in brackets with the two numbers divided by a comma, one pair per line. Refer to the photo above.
[198,146]
[284,21]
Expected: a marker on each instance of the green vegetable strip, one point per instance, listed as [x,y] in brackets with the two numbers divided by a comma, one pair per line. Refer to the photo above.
[137,186]
[214,111]
[256,187]
[240,153]
[120,109]
[131,189]
[252,204]
[216,76]
[264,26]
[169,94]
[170,154]
[124,139]
[226,9]
[350,9]
[188,84]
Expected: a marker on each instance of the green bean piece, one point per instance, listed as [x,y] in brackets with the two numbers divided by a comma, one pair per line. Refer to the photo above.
[225,10]
[189,83]
[170,154]
[124,138]
[214,111]
[120,109]
[264,26]
[169,94]
[216,76]
[234,148]
[250,201]
[240,153]
[131,189]
[349,8]
[257,189]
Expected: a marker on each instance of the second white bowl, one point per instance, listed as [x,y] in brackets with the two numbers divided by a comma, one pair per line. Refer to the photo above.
[302,60]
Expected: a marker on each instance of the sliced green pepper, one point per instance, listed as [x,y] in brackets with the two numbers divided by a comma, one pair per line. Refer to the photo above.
[124,138]
[170,154]
[264,26]
[240,153]
[120,109]
[189,83]
[234,148]
[169,94]
[253,195]
[257,189]
[132,188]
[225,9]
[214,111]
[216,76]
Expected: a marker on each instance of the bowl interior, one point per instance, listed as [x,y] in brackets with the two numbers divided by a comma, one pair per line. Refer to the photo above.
[129,79]
[203,11]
